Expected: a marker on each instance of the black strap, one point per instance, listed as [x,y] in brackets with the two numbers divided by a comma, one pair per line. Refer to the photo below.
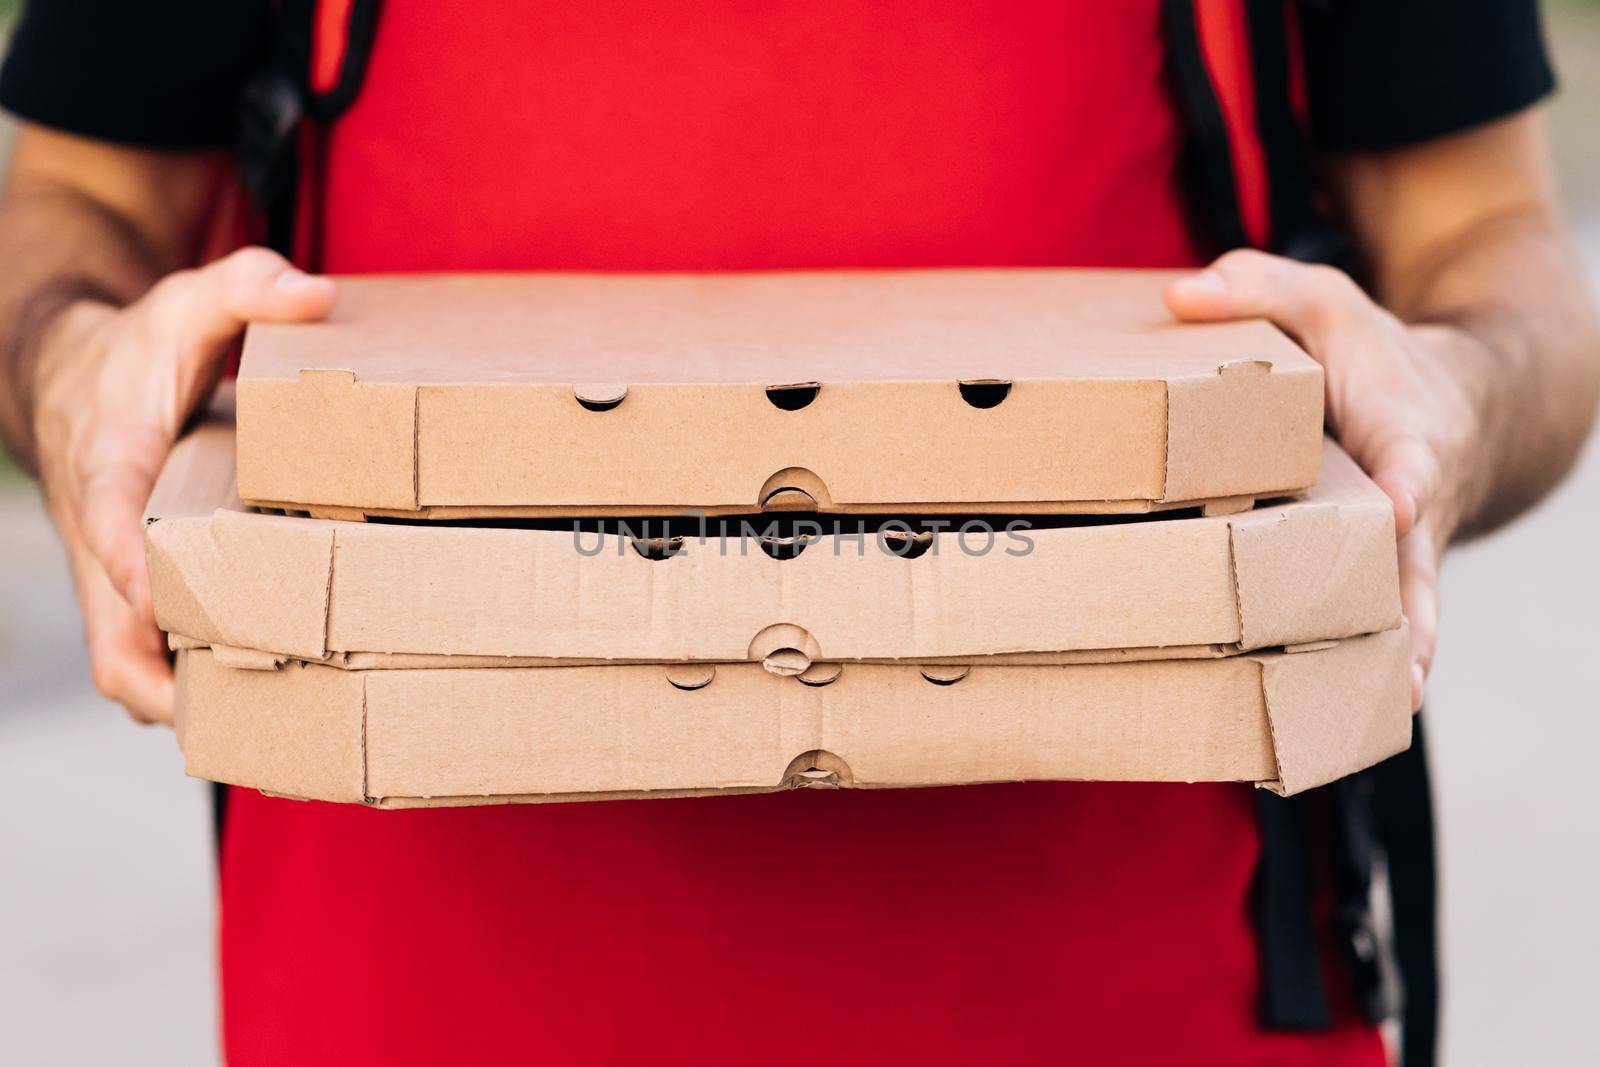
[219,815]
[275,106]
[271,109]
[1385,808]
[1355,844]
[1292,994]
[1207,161]
[1297,229]
[1389,808]
[1404,822]
[1282,140]
[361,32]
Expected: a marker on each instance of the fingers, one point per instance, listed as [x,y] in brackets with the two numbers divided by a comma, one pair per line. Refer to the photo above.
[1377,403]
[140,680]
[1419,599]
[192,315]
[1407,469]
[127,656]
[1305,300]
[111,522]
[206,308]
[119,390]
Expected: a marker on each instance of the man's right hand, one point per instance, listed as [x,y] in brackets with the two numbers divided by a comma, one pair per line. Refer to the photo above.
[111,389]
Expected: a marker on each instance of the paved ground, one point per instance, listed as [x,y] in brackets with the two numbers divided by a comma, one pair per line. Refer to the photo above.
[106,895]
[105,888]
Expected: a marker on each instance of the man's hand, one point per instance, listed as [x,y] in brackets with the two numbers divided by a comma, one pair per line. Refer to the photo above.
[1407,403]
[112,388]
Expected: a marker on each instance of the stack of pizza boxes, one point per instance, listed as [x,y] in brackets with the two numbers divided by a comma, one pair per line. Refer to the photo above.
[480,539]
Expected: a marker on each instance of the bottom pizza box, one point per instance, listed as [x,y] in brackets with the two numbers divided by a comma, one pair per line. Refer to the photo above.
[1287,720]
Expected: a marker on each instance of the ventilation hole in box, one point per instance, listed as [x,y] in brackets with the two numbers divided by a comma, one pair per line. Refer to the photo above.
[906,544]
[793,397]
[600,396]
[793,489]
[1245,366]
[786,662]
[985,392]
[785,548]
[657,548]
[789,499]
[945,675]
[691,676]
[820,674]
[783,637]
[816,769]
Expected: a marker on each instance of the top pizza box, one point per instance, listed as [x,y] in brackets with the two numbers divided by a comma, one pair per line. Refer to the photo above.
[958,391]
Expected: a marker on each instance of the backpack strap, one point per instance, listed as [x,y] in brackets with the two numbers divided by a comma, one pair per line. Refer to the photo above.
[342,35]
[317,61]
[1281,897]
[1402,804]
[1236,72]
[1216,207]
[1214,76]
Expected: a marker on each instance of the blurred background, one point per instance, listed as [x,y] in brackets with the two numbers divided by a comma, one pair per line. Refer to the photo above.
[106,894]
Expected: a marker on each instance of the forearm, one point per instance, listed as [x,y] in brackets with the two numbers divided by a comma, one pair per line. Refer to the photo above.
[83,219]
[1465,235]
[108,342]
[61,246]
[1513,285]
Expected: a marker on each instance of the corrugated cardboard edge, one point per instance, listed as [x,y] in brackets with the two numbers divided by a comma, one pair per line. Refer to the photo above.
[198,475]
[326,438]
[302,730]
[391,661]
[1309,574]
[1336,710]
[224,576]
[445,513]
[1240,432]
[1306,571]
[265,582]
[385,426]
[243,580]
[312,744]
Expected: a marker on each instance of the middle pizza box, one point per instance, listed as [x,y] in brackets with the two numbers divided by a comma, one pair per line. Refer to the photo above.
[262,587]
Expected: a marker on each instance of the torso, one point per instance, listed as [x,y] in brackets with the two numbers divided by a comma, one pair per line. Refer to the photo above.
[1016,923]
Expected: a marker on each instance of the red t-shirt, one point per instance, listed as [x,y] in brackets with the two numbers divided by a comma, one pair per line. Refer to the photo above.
[1106,923]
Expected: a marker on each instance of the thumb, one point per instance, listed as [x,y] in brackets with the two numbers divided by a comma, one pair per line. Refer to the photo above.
[194,315]
[1419,600]
[114,497]
[206,308]
[1405,467]
[1305,300]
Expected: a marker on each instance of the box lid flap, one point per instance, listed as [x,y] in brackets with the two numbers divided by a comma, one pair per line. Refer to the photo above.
[1335,710]
[766,328]
[1309,573]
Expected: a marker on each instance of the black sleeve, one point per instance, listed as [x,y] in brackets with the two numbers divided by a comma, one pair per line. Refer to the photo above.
[165,74]
[1388,73]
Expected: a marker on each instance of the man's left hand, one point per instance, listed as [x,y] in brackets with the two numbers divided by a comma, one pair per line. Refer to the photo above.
[1406,401]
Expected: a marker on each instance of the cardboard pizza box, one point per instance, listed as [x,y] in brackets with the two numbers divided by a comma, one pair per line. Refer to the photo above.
[1053,589]
[929,391]
[421,737]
